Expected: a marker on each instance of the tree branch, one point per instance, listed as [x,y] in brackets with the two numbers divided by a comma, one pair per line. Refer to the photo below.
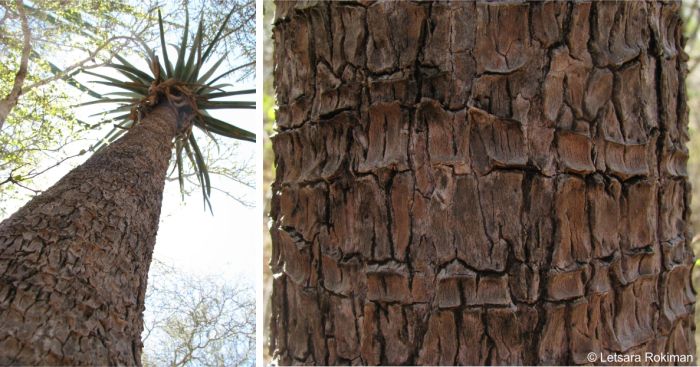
[10,101]
[80,64]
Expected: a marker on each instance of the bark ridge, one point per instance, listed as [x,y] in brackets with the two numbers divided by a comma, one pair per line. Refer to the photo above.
[479,183]
[74,261]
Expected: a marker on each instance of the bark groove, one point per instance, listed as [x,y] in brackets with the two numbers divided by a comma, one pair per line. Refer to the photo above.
[479,183]
[74,261]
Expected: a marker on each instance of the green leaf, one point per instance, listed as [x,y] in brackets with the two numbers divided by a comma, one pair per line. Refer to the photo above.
[203,170]
[114,134]
[168,65]
[113,80]
[195,159]
[214,87]
[191,70]
[180,170]
[213,43]
[133,74]
[183,45]
[138,88]
[229,72]
[107,100]
[211,71]
[227,104]
[72,82]
[132,67]
[228,94]
[222,128]
[132,95]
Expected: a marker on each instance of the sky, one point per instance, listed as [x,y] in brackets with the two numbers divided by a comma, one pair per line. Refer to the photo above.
[189,238]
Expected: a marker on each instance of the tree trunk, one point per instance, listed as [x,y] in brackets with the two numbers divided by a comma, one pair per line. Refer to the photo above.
[480,183]
[74,260]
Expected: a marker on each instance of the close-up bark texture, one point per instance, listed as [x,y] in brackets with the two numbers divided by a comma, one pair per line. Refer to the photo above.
[479,183]
[74,261]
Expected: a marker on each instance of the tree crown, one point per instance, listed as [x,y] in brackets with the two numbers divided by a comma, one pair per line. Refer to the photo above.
[184,84]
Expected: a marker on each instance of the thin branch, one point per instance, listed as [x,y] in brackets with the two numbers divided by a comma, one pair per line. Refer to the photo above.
[5,15]
[10,101]
[81,63]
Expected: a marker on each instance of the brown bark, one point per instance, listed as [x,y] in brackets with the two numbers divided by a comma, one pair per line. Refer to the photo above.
[479,183]
[74,261]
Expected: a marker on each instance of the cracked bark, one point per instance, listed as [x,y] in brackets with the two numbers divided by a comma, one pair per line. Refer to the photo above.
[74,260]
[479,183]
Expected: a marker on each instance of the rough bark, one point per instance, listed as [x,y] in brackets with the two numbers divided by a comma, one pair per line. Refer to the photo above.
[479,183]
[74,261]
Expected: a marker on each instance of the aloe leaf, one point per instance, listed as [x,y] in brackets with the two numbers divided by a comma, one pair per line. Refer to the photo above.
[107,100]
[227,104]
[219,127]
[74,83]
[213,43]
[211,71]
[183,46]
[130,66]
[180,170]
[204,171]
[132,73]
[200,170]
[229,94]
[143,90]
[191,70]
[168,65]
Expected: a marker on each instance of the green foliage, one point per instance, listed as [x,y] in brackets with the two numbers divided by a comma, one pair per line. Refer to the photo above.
[42,124]
[182,76]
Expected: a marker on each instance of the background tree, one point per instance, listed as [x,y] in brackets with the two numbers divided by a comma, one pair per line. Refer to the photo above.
[200,321]
[269,106]
[37,119]
[464,183]
[691,29]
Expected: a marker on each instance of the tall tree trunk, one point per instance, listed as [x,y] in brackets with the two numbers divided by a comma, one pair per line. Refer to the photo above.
[74,260]
[480,183]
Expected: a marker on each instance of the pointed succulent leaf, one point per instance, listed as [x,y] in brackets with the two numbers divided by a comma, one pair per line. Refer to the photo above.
[229,94]
[130,66]
[211,71]
[180,170]
[227,104]
[74,83]
[107,100]
[132,95]
[200,171]
[114,134]
[138,88]
[110,79]
[219,127]
[192,69]
[203,170]
[183,46]
[133,74]
[164,49]
[228,73]
[213,43]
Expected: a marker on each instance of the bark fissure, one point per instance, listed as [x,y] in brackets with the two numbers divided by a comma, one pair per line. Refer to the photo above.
[484,164]
[81,252]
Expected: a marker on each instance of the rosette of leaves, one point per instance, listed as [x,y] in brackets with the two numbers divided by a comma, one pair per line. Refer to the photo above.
[182,81]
